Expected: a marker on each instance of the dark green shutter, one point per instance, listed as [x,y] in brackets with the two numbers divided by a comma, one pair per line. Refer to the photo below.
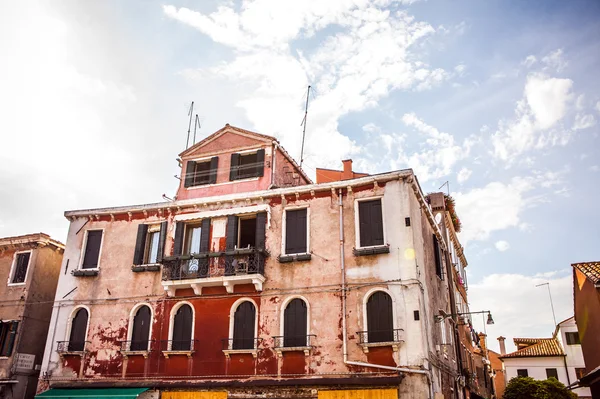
[11,338]
[190,171]
[233,170]
[214,162]
[260,162]
[380,324]
[295,323]
[243,326]
[261,227]
[205,236]
[92,249]
[295,231]
[232,232]
[140,244]
[438,257]
[178,244]
[162,238]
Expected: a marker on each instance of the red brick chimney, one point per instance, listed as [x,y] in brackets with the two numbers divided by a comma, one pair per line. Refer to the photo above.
[347,172]
[482,341]
[501,340]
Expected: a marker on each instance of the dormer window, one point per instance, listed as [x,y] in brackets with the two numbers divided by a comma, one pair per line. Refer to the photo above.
[246,165]
[201,172]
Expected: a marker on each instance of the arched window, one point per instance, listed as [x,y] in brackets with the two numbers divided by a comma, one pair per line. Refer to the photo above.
[140,334]
[380,323]
[78,331]
[181,339]
[243,326]
[295,321]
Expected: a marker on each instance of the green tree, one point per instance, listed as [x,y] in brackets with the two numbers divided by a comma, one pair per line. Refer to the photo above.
[528,388]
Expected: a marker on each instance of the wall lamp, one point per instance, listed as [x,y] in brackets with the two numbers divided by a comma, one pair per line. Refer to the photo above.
[489,321]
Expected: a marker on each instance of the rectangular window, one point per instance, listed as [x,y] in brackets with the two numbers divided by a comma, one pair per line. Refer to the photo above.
[579,372]
[20,268]
[551,373]
[244,166]
[370,221]
[152,247]
[437,253]
[8,331]
[296,230]
[573,338]
[193,234]
[200,173]
[522,373]
[91,253]
[247,232]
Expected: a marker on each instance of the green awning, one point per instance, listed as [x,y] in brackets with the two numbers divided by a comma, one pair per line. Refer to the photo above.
[90,393]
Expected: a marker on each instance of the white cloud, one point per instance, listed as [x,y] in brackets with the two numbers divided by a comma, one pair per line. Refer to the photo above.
[583,121]
[502,245]
[598,106]
[505,294]
[529,61]
[555,60]
[463,175]
[547,98]
[580,102]
[595,168]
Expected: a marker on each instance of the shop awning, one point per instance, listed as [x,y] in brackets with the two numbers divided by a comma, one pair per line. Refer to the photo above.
[99,393]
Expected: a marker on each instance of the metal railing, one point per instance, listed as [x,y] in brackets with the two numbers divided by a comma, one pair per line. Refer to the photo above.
[178,345]
[133,346]
[287,341]
[218,264]
[372,337]
[241,343]
[71,346]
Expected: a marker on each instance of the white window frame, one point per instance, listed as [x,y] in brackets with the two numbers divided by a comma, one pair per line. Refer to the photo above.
[234,307]
[357,221]
[284,228]
[14,265]
[284,305]
[84,246]
[132,314]
[70,322]
[364,307]
[174,310]
[152,228]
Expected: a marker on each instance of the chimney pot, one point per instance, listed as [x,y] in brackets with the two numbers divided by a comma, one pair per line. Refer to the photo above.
[501,340]
[347,172]
[482,341]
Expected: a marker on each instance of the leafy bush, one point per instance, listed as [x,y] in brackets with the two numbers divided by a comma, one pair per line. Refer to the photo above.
[528,388]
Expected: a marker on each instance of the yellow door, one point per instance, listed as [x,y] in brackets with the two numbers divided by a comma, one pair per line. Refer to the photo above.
[194,395]
[360,394]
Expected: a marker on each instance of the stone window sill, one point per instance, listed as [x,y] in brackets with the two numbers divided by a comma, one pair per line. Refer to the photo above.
[229,352]
[380,249]
[305,349]
[365,347]
[135,353]
[154,267]
[85,272]
[188,353]
[294,258]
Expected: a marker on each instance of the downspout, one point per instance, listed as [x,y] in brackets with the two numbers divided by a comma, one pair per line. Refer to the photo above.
[52,340]
[344,327]
[273,156]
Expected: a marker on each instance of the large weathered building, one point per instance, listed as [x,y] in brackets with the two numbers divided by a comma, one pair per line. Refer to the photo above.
[256,283]
[29,269]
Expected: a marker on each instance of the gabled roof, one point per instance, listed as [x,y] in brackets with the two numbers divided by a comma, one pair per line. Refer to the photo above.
[590,269]
[538,347]
[39,238]
[224,129]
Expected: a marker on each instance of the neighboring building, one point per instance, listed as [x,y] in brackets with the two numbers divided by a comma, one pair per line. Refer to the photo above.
[256,283]
[29,269]
[498,372]
[586,287]
[541,358]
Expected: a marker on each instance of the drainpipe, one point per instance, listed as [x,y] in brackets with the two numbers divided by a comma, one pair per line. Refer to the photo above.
[344,329]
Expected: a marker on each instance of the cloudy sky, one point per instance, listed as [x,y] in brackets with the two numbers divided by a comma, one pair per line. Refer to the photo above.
[499,98]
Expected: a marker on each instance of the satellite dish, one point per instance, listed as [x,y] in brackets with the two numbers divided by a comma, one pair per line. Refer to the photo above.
[438,218]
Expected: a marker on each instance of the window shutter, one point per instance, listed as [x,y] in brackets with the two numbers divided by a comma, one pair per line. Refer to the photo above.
[243,326]
[295,232]
[21,267]
[364,219]
[233,170]
[214,161]
[190,171]
[140,244]
[182,329]
[260,162]
[380,322]
[162,239]
[295,323]
[437,255]
[232,232]
[10,339]
[261,226]
[205,236]
[78,327]
[178,244]
[141,329]
[92,249]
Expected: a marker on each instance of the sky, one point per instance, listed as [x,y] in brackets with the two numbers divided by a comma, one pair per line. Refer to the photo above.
[498,98]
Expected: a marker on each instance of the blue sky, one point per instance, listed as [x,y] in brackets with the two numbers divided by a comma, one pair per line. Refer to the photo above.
[499,98]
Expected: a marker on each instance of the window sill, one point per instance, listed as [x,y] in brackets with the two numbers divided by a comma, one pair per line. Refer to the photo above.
[16,284]
[135,353]
[85,272]
[229,352]
[294,258]
[152,267]
[305,349]
[188,353]
[72,353]
[376,250]
[223,183]
[365,347]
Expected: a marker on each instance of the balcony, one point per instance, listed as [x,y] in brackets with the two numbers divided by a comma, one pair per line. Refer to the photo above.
[228,269]
[298,343]
[232,346]
[371,339]
[170,347]
[72,348]
[132,348]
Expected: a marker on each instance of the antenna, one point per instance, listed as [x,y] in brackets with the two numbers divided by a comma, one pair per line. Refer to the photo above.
[304,124]
[447,184]
[196,125]
[190,112]
[551,304]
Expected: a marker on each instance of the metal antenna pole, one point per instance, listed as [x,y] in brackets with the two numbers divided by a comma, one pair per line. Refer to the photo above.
[196,125]
[447,184]
[304,123]
[190,113]
[551,303]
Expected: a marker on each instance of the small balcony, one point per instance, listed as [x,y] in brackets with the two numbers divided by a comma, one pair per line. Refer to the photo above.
[72,348]
[178,347]
[297,343]
[228,269]
[371,339]
[232,346]
[133,348]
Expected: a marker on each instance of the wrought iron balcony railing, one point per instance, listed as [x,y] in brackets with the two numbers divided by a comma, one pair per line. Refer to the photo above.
[241,343]
[287,341]
[135,346]
[178,345]
[63,347]
[381,336]
[214,264]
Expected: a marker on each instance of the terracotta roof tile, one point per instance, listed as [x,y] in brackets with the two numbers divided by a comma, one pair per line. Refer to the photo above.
[590,269]
[538,347]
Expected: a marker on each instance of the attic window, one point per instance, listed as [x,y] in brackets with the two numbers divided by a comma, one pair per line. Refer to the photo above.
[247,165]
[198,173]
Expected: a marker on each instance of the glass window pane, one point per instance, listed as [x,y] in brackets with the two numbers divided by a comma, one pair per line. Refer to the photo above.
[195,240]
[153,247]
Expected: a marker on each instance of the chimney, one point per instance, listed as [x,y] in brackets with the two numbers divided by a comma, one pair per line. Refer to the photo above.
[501,340]
[347,172]
[482,341]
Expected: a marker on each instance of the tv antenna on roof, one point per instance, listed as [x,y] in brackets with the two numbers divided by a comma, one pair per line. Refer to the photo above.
[304,124]
[196,125]
[190,113]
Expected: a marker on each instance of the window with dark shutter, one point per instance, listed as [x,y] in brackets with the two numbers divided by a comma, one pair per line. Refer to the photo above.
[243,326]
[78,331]
[20,269]
[140,244]
[182,329]
[200,173]
[370,223]
[232,232]
[92,249]
[572,338]
[244,166]
[296,231]
[438,257]
[247,232]
[8,332]
[140,335]
[162,239]
[380,324]
[522,373]
[261,230]
[295,319]
[178,243]
[552,373]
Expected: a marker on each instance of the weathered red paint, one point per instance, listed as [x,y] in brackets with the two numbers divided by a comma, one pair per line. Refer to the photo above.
[383,355]
[293,363]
